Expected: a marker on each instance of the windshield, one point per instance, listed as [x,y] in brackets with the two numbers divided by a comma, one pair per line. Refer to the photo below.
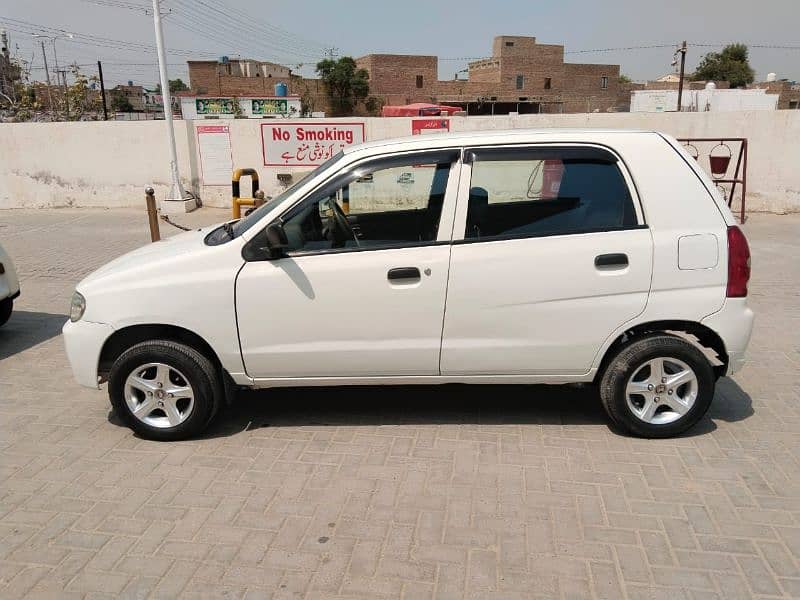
[254,217]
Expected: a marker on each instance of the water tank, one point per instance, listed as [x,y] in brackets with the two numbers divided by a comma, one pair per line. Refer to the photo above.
[771,77]
[223,60]
[281,89]
[711,85]
[130,83]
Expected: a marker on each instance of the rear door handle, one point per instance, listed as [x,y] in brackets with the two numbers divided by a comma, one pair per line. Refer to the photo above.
[611,261]
[403,273]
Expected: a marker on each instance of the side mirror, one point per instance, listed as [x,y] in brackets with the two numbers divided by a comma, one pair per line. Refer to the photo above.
[276,240]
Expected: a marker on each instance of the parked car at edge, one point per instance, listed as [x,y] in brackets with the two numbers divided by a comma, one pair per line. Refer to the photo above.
[515,257]
[9,286]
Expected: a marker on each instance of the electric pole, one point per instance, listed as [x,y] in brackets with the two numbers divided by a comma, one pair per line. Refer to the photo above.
[178,200]
[47,76]
[682,50]
[102,90]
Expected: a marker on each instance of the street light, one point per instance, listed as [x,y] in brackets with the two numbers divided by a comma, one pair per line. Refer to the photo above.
[178,200]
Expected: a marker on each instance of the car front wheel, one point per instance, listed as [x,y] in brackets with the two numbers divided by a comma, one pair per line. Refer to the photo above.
[164,390]
[658,386]
[6,306]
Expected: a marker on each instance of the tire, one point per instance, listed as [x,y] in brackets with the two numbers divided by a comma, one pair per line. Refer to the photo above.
[653,401]
[144,377]
[6,306]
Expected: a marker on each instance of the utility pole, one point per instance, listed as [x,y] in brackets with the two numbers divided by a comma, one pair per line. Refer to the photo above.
[178,200]
[682,50]
[102,90]
[47,75]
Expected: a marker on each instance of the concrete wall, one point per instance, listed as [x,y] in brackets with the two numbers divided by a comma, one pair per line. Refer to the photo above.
[109,163]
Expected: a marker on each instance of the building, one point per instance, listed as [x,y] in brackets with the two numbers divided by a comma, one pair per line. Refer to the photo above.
[788,92]
[134,94]
[708,99]
[521,76]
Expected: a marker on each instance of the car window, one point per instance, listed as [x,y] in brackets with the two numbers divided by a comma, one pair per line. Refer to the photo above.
[251,219]
[524,192]
[385,203]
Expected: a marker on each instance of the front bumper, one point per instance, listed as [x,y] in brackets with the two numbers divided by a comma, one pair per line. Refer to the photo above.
[84,340]
[734,324]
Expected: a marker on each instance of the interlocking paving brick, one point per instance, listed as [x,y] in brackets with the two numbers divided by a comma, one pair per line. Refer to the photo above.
[506,492]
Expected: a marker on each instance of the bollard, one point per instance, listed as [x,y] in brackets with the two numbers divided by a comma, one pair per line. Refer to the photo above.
[152,214]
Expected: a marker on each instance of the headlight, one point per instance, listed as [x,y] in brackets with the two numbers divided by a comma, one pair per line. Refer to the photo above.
[77,307]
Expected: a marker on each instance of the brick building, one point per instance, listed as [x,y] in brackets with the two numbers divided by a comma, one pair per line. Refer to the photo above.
[520,76]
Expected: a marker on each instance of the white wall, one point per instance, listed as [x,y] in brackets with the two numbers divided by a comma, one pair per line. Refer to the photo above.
[703,100]
[109,163]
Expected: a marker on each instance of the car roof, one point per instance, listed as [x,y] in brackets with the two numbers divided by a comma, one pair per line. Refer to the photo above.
[440,140]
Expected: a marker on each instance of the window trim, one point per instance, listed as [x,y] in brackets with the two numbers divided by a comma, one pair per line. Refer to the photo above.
[604,82]
[459,226]
[446,219]
[519,81]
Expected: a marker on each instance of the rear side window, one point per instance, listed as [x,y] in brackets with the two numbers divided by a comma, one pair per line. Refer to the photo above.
[526,192]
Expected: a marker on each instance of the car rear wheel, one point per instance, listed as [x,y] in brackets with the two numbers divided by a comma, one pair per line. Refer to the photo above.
[164,390]
[658,386]
[6,306]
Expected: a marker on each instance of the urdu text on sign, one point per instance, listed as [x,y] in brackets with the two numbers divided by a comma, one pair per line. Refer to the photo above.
[306,144]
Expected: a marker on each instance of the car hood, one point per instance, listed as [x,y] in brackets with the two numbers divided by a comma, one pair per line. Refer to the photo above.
[146,258]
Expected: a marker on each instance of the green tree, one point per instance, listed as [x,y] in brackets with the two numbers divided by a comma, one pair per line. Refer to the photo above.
[120,103]
[731,64]
[345,84]
[175,85]
[623,79]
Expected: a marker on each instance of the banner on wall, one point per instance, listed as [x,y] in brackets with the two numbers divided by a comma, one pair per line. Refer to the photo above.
[216,160]
[306,144]
[424,126]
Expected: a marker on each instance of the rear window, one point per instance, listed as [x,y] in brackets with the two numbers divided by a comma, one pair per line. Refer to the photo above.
[524,192]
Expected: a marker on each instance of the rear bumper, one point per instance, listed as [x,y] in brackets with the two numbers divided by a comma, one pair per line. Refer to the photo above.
[734,324]
[84,340]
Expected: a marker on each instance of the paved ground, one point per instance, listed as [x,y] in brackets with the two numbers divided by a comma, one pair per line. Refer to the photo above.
[505,492]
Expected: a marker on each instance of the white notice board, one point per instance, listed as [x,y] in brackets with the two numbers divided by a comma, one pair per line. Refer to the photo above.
[216,160]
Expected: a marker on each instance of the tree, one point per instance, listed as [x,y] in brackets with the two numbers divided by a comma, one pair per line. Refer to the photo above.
[623,79]
[120,103]
[345,84]
[731,64]
[83,98]
[175,85]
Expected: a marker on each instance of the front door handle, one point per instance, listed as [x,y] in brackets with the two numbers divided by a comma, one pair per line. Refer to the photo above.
[611,261]
[403,273]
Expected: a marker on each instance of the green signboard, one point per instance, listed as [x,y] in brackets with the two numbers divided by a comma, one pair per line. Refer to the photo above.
[215,106]
[270,107]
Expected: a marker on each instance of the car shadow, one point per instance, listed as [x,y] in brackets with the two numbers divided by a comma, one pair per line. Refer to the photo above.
[445,404]
[26,329]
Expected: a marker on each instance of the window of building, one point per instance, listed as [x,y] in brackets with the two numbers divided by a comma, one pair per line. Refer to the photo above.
[604,82]
[419,81]
[509,44]
[793,104]
[520,82]
[387,203]
[547,83]
[528,192]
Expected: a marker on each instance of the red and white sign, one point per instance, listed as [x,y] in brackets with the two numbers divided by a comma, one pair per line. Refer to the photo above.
[423,126]
[216,160]
[306,144]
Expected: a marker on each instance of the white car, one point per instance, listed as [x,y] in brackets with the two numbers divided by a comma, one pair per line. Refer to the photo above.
[9,286]
[516,257]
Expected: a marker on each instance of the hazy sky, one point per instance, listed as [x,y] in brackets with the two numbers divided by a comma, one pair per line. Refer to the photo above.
[295,33]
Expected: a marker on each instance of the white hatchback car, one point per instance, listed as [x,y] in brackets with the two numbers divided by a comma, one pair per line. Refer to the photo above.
[512,257]
[9,286]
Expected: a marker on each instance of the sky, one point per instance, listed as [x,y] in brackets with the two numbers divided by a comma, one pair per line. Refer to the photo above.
[298,34]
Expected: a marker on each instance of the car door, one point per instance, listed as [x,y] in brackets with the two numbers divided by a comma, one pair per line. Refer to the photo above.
[361,298]
[550,256]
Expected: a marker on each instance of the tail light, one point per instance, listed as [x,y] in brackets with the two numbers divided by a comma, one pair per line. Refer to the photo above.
[738,263]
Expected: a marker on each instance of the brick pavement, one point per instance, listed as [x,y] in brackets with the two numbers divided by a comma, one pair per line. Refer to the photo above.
[454,492]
